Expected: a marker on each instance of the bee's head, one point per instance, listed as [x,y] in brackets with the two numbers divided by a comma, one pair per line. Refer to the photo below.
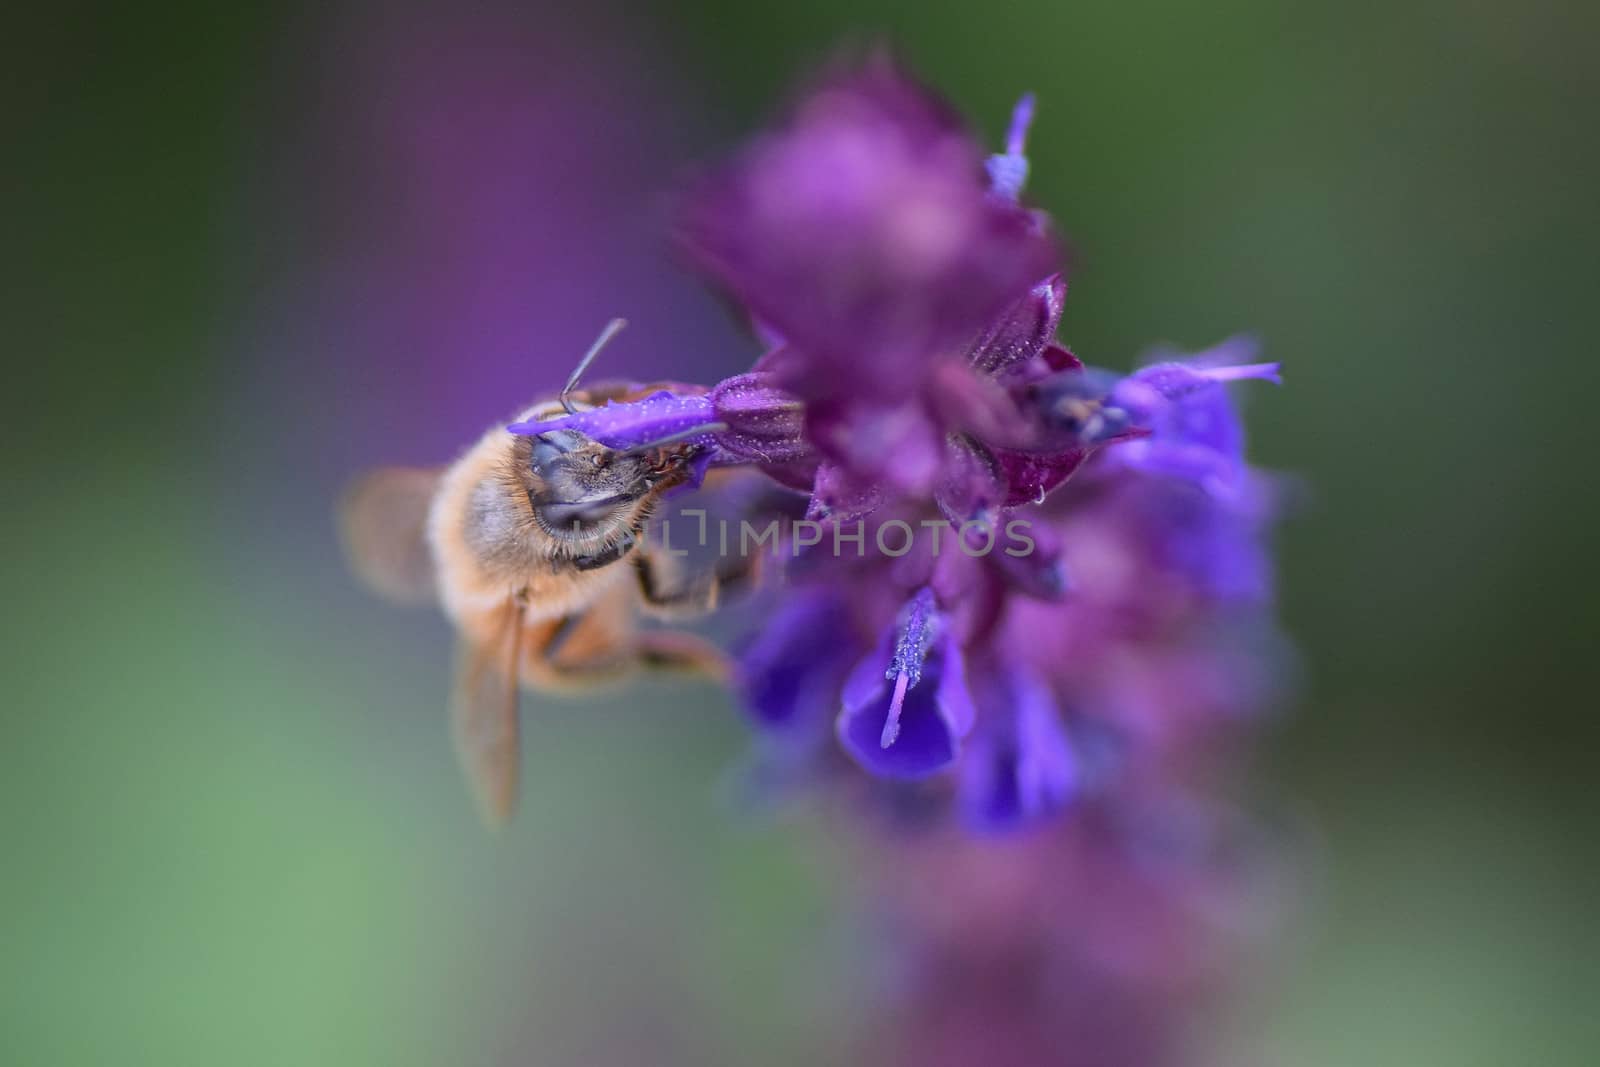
[580,486]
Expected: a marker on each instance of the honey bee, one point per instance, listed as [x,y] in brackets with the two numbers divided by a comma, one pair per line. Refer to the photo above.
[535,548]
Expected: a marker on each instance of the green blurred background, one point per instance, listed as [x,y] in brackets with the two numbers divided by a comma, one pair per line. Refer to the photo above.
[235,831]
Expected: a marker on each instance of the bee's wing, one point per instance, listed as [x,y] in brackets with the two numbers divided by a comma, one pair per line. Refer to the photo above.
[383,519]
[483,716]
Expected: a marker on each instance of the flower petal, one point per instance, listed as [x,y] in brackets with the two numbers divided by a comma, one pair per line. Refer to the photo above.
[1020,766]
[836,495]
[1193,428]
[1021,331]
[764,423]
[636,423]
[789,675]
[1030,476]
[972,486]
[906,705]
[1028,554]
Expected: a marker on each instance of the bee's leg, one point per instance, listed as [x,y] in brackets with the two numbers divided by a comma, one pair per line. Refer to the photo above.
[666,597]
[574,652]
[548,645]
[682,651]
[664,592]
[742,573]
[595,648]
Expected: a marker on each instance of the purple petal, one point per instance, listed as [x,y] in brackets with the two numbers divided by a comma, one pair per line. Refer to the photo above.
[972,486]
[1148,389]
[1213,542]
[789,675]
[906,705]
[635,423]
[1027,553]
[1030,476]
[1020,767]
[765,424]
[962,399]
[801,476]
[1020,332]
[836,495]
[1057,359]
[1194,431]
[889,449]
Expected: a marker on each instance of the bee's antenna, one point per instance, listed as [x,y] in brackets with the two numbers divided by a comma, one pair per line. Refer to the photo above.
[612,329]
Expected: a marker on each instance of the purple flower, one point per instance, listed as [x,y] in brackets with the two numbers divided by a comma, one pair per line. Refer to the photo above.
[1040,548]
[1193,431]
[906,705]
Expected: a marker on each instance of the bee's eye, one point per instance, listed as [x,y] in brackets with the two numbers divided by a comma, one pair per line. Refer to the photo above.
[548,448]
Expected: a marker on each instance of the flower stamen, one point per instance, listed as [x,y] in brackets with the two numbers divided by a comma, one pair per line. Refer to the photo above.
[891,725]
[918,620]
[1008,172]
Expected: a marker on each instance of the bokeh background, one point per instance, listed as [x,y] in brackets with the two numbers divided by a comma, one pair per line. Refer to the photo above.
[255,248]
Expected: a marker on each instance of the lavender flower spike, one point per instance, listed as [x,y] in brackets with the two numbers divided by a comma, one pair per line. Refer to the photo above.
[913,381]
